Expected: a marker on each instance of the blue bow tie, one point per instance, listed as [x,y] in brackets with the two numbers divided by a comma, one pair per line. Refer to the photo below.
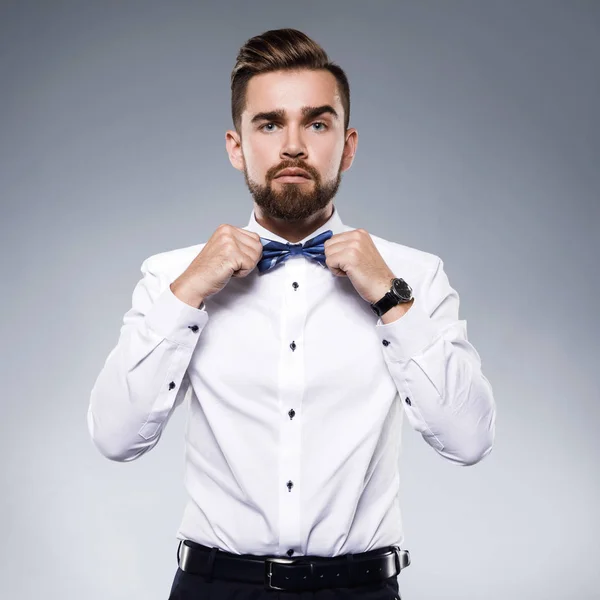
[276,252]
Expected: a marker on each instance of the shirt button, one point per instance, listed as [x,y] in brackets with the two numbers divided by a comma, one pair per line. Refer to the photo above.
[293,346]
[292,413]
[407,400]
[295,285]
[290,485]
[385,343]
[194,328]
[290,552]
[171,385]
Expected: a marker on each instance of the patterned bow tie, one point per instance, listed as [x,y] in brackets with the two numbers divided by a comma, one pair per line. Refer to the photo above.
[276,252]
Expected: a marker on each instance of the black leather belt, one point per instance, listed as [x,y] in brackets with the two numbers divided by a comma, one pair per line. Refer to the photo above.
[300,573]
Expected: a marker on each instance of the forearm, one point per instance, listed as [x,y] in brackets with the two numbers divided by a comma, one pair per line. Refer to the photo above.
[451,401]
[143,378]
[437,372]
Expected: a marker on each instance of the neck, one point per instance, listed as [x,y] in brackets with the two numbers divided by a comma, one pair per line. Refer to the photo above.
[293,231]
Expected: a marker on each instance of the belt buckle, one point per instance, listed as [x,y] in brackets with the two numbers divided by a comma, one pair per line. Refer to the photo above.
[277,559]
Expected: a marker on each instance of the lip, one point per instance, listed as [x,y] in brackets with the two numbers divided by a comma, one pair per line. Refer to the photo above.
[297,173]
[293,179]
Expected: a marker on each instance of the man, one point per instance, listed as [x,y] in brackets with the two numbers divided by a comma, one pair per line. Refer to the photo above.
[300,345]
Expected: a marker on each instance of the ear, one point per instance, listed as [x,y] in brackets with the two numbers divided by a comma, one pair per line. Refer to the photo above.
[233,144]
[350,146]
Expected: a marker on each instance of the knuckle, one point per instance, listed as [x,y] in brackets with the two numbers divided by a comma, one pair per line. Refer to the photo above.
[226,228]
[228,244]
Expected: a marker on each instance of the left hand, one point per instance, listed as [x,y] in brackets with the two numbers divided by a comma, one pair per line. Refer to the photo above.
[353,254]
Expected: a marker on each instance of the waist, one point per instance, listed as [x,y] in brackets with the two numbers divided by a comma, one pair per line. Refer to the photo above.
[303,572]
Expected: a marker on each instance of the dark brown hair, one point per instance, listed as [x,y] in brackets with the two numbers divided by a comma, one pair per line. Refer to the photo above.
[281,49]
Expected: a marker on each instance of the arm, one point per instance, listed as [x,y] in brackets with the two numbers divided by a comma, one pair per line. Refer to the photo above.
[450,402]
[144,376]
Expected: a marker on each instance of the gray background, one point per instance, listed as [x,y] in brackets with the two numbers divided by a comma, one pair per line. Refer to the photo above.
[478,126]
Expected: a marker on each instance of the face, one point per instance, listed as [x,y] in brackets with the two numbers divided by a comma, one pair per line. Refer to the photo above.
[292,119]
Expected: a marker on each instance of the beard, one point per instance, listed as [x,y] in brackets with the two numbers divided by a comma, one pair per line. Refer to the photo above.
[293,201]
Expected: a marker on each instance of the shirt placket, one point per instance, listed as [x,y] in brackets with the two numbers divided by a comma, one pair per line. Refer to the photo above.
[291,392]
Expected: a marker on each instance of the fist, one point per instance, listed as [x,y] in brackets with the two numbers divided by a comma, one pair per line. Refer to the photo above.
[229,252]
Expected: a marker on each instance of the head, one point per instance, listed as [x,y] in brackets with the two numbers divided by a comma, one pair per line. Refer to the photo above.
[290,108]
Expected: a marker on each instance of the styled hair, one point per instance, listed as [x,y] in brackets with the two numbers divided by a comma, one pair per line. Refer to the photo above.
[281,49]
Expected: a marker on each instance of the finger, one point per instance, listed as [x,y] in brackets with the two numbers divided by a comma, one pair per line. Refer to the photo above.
[250,234]
[249,244]
[248,263]
[338,238]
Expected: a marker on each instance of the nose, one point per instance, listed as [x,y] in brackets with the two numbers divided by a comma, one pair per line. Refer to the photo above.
[293,146]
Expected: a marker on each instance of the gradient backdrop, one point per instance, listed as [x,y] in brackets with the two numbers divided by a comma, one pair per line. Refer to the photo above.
[478,141]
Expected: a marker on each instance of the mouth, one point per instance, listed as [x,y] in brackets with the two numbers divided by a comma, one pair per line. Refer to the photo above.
[293,172]
[293,179]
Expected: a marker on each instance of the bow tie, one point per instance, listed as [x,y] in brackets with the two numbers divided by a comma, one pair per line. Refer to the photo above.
[276,252]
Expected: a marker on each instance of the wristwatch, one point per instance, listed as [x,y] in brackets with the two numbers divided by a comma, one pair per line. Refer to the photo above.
[400,293]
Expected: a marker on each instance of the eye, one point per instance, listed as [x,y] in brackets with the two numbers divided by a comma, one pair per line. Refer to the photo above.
[323,127]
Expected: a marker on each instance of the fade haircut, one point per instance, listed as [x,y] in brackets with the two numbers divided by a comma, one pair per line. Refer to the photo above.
[281,49]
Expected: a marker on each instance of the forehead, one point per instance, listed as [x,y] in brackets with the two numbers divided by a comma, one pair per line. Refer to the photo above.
[291,90]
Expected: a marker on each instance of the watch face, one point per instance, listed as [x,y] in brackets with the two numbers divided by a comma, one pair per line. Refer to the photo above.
[402,289]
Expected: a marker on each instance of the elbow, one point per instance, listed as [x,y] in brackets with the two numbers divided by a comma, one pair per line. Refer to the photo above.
[114,454]
[480,446]
[466,456]
[118,454]
[469,459]
[107,447]
[470,449]
[111,456]
[481,440]
[110,451]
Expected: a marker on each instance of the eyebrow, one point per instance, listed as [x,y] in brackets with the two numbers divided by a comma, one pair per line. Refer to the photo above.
[308,113]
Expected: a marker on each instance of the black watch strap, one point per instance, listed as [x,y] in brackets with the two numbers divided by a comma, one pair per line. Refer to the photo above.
[382,306]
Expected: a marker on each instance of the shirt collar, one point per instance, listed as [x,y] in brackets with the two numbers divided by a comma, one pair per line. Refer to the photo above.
[334,223]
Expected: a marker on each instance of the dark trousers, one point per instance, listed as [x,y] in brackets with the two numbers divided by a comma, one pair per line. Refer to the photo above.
[189,586]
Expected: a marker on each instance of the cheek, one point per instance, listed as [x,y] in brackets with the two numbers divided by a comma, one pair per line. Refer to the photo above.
[333,166]
[331,156]
[259,159]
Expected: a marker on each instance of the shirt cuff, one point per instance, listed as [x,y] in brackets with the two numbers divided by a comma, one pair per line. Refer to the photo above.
[408,335]
[176,320]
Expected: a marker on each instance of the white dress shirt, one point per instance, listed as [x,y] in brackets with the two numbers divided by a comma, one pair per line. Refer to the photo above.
[296,393]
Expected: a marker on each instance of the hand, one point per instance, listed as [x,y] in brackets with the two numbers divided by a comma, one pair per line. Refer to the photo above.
[353,254]
[229,252]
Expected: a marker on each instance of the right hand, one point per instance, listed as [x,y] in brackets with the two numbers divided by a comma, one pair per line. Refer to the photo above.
[230,252]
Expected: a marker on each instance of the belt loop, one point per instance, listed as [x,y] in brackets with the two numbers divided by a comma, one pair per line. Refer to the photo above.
[211,561]
[178,548]
[350,562]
